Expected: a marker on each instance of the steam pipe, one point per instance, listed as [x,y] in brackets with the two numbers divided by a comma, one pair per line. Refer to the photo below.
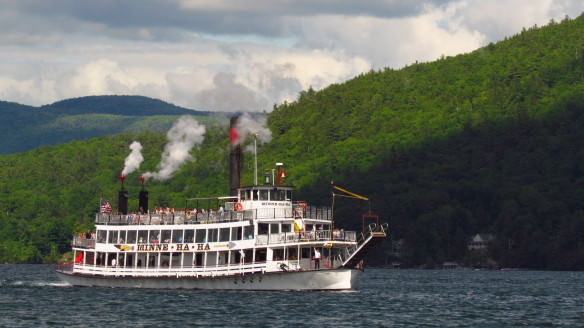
[235,157]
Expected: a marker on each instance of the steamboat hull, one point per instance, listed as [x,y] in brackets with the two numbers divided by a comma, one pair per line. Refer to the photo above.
[336,279]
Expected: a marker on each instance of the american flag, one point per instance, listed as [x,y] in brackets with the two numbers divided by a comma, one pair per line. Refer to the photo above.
[105,207]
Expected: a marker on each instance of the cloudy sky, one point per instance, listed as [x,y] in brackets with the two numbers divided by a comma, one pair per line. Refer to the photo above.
[237,54]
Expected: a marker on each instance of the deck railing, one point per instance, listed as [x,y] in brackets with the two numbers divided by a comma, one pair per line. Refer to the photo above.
[230,269]
[214,216]
[306,236]
[82,241]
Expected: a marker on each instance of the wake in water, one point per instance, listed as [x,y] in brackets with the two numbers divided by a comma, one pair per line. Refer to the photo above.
[19,283]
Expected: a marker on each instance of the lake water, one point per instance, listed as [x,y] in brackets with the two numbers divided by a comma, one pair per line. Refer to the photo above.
[32,296]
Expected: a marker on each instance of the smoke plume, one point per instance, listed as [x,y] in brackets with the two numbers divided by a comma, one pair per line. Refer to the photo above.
[134,159]
[182,137]
[246,125]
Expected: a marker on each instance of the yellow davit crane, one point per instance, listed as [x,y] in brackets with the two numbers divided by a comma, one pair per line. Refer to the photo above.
[349,194]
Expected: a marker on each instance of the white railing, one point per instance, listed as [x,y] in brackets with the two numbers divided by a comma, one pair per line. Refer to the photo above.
[81,241]
[193,271]
[306,236]
[214,216]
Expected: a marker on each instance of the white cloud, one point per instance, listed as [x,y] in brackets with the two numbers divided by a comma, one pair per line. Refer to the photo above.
[227,55]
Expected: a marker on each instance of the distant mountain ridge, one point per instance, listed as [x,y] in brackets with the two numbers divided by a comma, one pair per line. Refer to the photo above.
[119,105]
[25,127]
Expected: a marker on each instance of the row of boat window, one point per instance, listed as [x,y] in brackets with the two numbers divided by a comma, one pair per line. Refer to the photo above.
[174,236]
[196,235]
[275,195]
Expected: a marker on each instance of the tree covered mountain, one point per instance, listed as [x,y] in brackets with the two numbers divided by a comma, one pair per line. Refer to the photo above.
[486,142]
[25,127]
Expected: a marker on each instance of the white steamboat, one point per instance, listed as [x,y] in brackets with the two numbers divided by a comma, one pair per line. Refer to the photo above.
[258,239]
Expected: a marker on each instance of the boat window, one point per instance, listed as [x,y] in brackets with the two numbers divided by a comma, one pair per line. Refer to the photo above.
[305,253]
[309,227]
[274,228]
[263,195]
[236,233]
[222,257]
[101,235]
[224,234]
[165,236]
[263,228]
[131,237]
[248,194]
[289,195]
[112,237]
[326,227]
[261,255]
[189,236]
[201,236]
[122,237]
[256,194]
[292,253]
[286,227]
[177,236]
[142,236]
[213,235]
[278,254]
[90,258]
[248,232]
[154,236]
[272,195]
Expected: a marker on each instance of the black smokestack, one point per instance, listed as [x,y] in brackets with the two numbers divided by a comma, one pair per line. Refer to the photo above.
[235,157]
[123,202]
[143,199]
[122,198]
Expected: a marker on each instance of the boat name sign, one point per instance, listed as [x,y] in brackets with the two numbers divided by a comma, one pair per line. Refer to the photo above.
[201,247]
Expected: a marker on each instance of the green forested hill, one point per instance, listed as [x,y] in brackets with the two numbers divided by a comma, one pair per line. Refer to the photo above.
[48,193]
[24,127]
[486,142]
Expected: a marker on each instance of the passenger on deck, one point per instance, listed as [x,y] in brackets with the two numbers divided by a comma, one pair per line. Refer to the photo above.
[316,259]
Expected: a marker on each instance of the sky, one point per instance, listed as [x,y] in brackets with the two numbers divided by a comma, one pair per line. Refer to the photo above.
[245,55]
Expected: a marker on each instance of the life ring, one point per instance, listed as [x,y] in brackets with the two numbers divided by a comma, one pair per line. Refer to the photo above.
[238,207]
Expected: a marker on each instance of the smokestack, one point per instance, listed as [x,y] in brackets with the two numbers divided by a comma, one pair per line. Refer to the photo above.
[143,198]
[122,198]
[235,157]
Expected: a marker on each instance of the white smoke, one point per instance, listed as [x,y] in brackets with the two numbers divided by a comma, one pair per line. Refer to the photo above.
[134,159]
[182,137]
[246,125]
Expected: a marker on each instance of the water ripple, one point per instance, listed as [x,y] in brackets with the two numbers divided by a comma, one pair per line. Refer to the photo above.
[31,295]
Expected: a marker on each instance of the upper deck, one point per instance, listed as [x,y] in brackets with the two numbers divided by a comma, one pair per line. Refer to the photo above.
[192,216]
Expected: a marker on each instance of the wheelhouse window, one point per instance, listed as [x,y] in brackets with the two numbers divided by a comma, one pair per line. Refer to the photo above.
[264,195]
